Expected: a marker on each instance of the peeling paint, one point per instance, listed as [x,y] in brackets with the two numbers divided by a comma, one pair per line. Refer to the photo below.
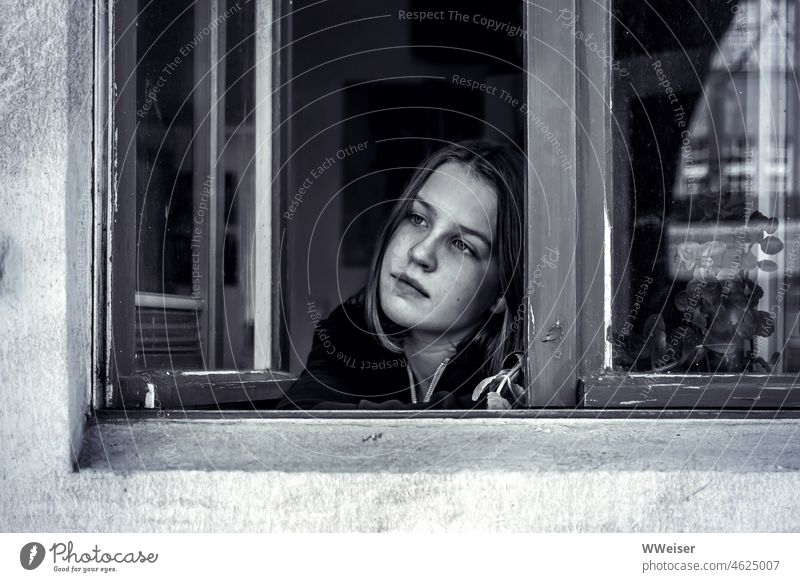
[115,167]
[150,396]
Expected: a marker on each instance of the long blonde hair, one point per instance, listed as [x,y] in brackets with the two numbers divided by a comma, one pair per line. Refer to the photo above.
[501,167]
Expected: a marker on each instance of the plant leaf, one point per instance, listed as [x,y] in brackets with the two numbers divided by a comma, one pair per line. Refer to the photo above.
[768,266]
[481,387]
[758,221]
[772,225]
[771,245]
[496,402]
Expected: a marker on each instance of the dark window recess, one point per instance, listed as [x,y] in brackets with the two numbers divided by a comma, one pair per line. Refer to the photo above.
[374,179]
[464,27]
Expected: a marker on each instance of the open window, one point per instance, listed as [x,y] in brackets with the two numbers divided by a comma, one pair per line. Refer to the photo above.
[190,281]
[254,149]
[251,147]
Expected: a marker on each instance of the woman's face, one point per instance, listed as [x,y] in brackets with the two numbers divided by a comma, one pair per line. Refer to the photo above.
[439,273]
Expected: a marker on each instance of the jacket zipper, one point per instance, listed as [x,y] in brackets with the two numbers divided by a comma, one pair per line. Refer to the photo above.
[435,380]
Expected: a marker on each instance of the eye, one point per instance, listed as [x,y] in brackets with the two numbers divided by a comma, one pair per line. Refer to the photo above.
[416,219]
[463,247]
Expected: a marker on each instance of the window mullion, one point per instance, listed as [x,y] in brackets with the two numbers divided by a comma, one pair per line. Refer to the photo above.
[205,181]
[102,387]
[595,180]
[552,206]
[123,184]
[262,251]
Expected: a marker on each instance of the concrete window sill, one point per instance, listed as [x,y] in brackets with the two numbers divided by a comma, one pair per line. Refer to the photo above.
[299,444]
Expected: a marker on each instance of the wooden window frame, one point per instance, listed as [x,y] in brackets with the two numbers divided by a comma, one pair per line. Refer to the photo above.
[117,384]
[569,360]
[597,386]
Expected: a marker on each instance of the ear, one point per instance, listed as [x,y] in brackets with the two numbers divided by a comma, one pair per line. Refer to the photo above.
[498,306]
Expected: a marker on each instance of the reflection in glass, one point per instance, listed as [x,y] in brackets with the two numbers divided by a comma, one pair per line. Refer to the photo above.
[195,201]
[705,246]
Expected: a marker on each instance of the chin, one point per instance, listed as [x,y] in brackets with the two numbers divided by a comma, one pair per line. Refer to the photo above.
[412,317]
[399,311]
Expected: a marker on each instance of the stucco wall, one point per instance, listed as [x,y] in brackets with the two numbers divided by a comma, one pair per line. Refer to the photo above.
[283,475]
[45,232]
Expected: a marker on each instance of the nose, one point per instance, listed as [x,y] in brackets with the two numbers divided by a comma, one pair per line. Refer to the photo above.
[423,253]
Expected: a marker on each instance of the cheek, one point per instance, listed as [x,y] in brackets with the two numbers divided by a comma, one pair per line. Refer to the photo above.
[480,287]
[388,257]
[470,282]
[475,276]
[396,247]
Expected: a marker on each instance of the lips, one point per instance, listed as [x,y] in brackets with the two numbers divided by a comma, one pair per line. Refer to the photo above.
[413,283]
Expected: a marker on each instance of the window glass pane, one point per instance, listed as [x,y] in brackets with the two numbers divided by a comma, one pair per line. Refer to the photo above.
[705,244]
[194,183]
[164,147]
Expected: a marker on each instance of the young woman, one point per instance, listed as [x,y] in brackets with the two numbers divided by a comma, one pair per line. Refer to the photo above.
[436,315]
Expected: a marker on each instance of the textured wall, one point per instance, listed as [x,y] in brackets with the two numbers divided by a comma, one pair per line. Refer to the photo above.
[598,501]
[45,227]
[556,476]
[425,475]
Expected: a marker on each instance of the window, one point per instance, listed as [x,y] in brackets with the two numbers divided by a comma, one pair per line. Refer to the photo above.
[701,275]
[190,243]
[253,148]
[245,137]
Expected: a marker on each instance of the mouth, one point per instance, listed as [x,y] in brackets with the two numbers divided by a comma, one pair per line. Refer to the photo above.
[409,283]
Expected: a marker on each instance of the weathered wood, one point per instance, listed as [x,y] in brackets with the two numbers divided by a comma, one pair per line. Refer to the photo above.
[266,192]
[205,186]
[121,217]
[723,391]
[162,390]
[103,134]
[551,206]
[280,90]
[595,187]
[137,415]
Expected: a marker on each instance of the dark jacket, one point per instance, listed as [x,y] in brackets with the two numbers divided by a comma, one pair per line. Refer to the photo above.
[349,368]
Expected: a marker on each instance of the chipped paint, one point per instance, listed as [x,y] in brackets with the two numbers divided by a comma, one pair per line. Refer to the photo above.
[150,396]
[115,167]
[109,395]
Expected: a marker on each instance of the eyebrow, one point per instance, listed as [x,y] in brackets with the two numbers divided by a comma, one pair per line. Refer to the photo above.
[461,227]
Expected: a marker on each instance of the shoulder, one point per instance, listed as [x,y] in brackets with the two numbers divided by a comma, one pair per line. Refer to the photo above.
[347,363]
[349,317]
[346,330]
